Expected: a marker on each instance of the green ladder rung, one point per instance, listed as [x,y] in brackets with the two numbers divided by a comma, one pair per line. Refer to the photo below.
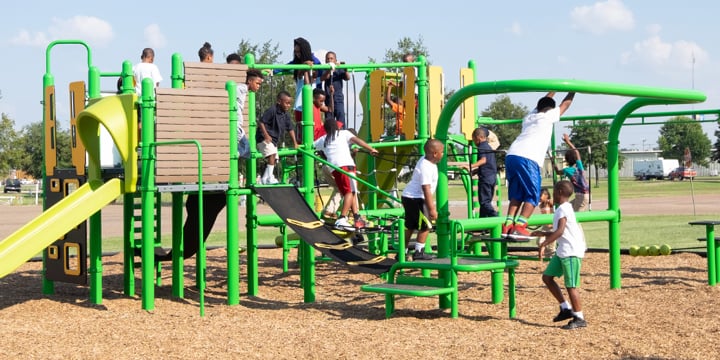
[407,289]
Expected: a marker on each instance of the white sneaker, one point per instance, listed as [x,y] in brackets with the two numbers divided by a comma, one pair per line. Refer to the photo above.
[342,223]
[271,181]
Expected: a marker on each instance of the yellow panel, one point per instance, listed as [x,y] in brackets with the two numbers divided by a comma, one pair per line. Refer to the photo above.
[467,109]
[71,268]
[77,104]
[52,252]
[436,97]
[50,150]
[408,126]
[377,122]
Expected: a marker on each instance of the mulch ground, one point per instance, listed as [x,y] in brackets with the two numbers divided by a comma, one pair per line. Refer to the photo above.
[664,310]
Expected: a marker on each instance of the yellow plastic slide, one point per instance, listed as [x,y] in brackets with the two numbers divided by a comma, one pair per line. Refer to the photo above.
[55,222]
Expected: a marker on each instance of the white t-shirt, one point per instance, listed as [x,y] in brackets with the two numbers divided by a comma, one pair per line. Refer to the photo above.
[572,240]
[534,139]
[338,151]
[242,92]
[425,173]
[146,70]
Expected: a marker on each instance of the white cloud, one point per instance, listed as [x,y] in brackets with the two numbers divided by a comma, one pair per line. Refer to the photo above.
[154,37]
[25,38]
[655,52]
[562,59]
[602,17]
[654,29]
[515,28]
[88,28]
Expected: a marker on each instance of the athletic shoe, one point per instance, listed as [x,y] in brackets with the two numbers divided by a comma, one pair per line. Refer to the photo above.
[360,223]
[271,181]
[564,314]
[575,323]
[521,229]
[507,228]
[421,255]
[342,223]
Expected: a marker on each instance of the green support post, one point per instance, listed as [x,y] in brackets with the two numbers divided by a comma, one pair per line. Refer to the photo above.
[251,202]
[308,259]
[177,79]
[95,224]
[233,200]
[147,106]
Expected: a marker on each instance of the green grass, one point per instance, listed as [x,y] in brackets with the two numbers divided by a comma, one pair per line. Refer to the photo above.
[629,188]
[266,236]
[648,230]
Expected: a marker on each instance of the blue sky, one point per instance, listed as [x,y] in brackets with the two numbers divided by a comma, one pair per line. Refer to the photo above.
[654,43]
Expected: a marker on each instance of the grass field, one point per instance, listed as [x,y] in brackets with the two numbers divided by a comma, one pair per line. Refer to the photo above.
[635,230]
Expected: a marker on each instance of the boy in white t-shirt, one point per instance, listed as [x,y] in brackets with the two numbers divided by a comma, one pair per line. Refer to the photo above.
[417,198]
[336,146]
[146,69]
[567,260]
[525,159]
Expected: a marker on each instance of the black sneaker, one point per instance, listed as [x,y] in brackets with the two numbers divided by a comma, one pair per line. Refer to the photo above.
[575,323]
[564,314]
[421,255]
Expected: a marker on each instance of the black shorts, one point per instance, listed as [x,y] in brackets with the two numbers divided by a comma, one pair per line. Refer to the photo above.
[413,209]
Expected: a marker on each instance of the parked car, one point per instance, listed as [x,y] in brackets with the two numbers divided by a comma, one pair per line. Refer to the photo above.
[12,185]
[682,173]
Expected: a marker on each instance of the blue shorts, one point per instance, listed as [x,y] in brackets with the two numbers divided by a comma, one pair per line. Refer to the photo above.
[568,268]
[244,147]
[524,179]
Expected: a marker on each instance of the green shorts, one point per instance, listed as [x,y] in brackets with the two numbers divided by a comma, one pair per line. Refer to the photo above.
[568,268]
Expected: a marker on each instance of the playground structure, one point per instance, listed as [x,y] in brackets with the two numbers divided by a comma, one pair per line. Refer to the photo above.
[118,114]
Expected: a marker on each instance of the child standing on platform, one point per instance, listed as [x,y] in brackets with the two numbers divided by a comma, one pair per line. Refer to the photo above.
[418,200]
[336,146]
[146,69]
[546,207]
[567,260]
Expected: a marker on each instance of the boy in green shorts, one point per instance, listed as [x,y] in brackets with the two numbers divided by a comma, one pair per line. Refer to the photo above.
[567,260]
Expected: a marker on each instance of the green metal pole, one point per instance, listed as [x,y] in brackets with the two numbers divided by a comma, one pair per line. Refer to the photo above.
[127,78]
[177,79]
[251,202]
[308,261]
[233,200]
[148,194]
[95,224]
[614,181]
[48,286]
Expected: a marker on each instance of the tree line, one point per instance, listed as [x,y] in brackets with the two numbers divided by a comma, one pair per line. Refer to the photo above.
[23,149]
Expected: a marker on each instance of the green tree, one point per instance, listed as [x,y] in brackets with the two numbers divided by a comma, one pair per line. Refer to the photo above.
[590,136]
[266,53]
[502,108]
[30,144]
[404,46]
[9,152]
[682,132]
[716,153]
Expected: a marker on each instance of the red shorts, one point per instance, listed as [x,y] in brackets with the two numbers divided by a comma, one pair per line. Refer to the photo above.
[344,183]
